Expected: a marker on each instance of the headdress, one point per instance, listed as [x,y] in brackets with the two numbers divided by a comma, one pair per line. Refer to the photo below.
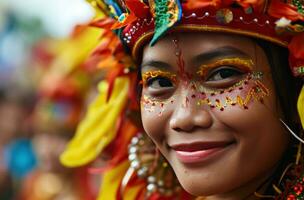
[137,22]
[129,24]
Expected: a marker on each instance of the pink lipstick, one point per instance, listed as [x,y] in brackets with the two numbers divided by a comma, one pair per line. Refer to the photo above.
[198,151]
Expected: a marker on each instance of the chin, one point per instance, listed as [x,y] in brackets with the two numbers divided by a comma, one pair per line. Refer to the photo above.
[197,188]
[196,184]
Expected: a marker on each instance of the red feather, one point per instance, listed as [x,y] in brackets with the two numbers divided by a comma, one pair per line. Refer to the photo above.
[105,23]
[279,9]
[137,7]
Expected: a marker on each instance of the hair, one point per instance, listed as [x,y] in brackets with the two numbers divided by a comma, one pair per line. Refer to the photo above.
[287,89]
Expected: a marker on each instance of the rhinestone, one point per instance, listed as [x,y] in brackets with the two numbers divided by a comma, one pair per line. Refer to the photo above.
[151,187]
[132,157]
[193,15]
[207,14]
[142,172]
[135,164]
[255,20]
[160,183]
[241,18]
[133,150]
[151,179]
[224,16]
[267,22]
[134,140]
[126,70]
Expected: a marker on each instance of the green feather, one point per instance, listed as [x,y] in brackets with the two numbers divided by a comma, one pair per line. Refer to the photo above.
[166,14]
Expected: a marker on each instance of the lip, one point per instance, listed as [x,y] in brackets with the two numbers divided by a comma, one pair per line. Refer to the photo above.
[199,151]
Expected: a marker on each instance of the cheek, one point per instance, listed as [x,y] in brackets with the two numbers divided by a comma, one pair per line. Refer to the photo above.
[257,129]
[155,116]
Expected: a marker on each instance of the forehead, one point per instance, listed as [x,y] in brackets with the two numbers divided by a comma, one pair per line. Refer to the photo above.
[193,44]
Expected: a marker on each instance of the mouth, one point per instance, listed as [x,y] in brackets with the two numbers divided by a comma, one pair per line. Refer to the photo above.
[199,151]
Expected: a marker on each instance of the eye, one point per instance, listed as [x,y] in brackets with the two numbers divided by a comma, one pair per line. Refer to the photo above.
[223,73]
[159,83]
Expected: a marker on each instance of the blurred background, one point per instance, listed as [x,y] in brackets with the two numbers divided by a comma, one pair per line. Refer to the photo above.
[44,87]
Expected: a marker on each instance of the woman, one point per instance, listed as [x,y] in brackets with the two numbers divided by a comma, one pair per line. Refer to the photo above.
[217,97]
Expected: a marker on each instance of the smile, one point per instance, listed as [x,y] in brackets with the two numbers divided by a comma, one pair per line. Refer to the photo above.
[199,151]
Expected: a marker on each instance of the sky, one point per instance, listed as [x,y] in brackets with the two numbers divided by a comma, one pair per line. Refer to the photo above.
[57,16]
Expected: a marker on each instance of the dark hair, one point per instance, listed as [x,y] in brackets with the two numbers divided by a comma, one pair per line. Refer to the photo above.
[287,89]
[287,86]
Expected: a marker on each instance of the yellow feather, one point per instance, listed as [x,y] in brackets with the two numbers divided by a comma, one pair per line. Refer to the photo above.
[111,181]
[98,128]
[301,106]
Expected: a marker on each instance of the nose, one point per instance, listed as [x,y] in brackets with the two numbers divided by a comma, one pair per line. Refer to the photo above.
[190,117]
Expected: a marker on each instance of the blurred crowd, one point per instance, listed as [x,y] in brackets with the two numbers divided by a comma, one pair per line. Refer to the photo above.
[45,84]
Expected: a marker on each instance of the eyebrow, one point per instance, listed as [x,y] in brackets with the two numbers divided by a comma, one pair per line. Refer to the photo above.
[226,51]
[155,64]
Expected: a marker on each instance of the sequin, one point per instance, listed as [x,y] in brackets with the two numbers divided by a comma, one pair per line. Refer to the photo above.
[224,16]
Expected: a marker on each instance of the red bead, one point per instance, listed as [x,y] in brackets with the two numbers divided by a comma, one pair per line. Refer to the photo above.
[291,197]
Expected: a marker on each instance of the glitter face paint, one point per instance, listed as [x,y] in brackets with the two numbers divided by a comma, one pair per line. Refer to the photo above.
[180,62]
[245,65]
[241,94]
[158,73]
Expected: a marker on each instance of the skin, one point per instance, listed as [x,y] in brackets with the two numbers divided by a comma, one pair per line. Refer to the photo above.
[257,139]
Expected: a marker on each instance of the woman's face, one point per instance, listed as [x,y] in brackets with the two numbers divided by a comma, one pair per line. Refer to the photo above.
[208,103]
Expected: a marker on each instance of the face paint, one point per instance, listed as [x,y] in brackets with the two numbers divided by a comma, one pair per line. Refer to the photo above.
[242,93]
[155,105]
[185,76]
[243,64]
[156,74]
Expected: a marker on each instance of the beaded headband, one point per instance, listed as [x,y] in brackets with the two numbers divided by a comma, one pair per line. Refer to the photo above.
[277,21]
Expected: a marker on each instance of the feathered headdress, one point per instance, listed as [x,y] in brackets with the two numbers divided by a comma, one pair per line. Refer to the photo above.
[129,24]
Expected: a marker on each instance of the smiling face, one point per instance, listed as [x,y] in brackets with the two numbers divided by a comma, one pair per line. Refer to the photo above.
[208,103]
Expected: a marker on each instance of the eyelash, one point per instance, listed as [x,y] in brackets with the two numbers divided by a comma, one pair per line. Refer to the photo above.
[149,77]
[218,70]
[238,64]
